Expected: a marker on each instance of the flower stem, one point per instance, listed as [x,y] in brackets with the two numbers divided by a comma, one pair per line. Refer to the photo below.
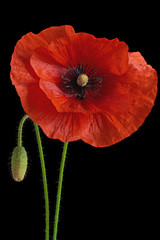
[44,178]
[59,190]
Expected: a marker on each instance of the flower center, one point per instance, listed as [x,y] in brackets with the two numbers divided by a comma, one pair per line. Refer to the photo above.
[82,80]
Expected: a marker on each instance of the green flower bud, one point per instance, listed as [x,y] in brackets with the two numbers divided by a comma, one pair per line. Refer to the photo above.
[19,163]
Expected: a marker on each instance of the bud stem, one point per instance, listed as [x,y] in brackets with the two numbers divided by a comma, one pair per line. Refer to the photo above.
[20,130]
[42,167]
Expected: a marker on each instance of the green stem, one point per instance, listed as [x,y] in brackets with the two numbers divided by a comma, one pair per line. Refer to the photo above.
[44,178]
[59,190]
[20,130]
[42,166]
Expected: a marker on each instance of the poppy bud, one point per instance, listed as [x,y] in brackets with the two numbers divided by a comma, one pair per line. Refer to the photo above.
[19,163]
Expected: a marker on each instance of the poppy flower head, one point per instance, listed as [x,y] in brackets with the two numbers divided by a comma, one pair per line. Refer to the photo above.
[77,86]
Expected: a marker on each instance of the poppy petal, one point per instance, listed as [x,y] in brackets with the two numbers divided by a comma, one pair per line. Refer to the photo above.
[46,66]
[66,127]
[35,102]
[63,126]
[106,55]
[102,131]
[109,55]
[114,125]
[65,102]
[107,129]
[53,33]
[117,58]
[21,69]
[120,93]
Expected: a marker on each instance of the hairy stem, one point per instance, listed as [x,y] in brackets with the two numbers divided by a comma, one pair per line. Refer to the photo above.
[44,178]
[59,191]
[20,129]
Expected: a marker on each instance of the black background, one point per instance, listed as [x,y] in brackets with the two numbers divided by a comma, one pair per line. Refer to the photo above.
[108,193]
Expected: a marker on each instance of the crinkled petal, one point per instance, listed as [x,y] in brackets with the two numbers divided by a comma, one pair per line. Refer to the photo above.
[66,102]
[117,58]
[67,127]
[120,93]
[110,127]
[45,66]
[104,54]
[64,126]
[35,103]
[21,69]
[102,131]
[84,48]
[53,33]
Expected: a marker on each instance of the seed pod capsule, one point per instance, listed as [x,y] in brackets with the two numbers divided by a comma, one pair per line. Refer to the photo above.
[19,163]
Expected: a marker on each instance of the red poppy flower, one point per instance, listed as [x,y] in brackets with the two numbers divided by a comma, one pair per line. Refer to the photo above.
[76,86]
